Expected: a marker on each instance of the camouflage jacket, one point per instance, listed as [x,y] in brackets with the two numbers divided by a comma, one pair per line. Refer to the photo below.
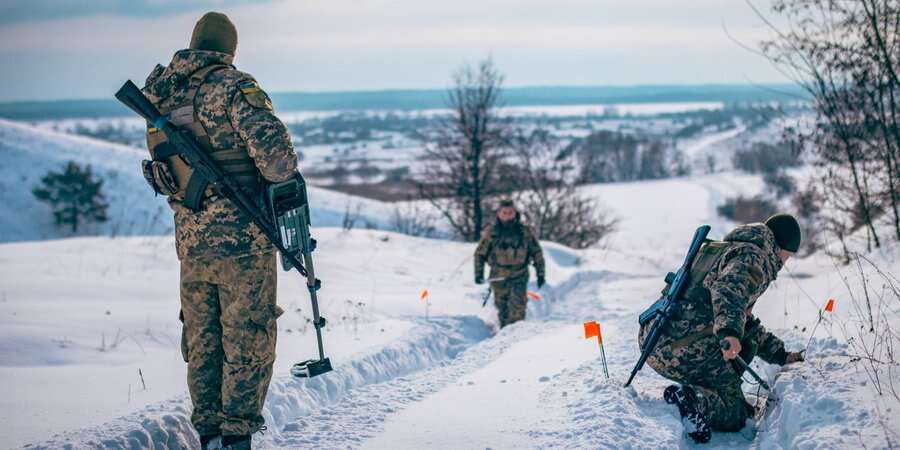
[508,248]
[235,113]
[721,303]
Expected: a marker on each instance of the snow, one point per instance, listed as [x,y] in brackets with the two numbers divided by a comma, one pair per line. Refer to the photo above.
[412,373]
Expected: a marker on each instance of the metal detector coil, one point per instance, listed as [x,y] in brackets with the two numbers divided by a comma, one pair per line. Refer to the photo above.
[311,368]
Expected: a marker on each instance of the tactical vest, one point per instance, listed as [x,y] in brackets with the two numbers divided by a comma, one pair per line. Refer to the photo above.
[695,292]
[703,264]
[235,162]
[510,251]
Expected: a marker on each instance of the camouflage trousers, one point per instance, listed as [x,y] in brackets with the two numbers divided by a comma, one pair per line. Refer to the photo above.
[511,300]
[228,339]
[716,381]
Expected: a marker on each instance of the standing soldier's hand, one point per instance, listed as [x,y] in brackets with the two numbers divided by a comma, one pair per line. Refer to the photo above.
[734,348]
[540,281]
[479,279]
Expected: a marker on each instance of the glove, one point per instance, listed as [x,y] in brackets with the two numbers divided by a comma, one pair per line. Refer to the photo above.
[794,357]
[479,279]
[541,281]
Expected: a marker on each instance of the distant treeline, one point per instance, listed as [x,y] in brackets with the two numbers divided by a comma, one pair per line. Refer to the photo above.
[436,98]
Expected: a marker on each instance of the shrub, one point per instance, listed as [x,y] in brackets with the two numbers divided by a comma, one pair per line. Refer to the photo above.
[747,209]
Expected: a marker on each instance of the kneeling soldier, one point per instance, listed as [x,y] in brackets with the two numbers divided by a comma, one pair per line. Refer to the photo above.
[726,279]
[508,246]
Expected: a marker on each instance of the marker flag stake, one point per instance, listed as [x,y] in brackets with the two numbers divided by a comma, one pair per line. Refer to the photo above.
[603,358]
[829,307]
[592,329]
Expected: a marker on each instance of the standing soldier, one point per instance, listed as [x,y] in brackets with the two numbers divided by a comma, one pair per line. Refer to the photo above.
[508,246]
[228,268]
[726,279]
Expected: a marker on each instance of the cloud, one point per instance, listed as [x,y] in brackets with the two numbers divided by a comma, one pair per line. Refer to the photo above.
[18,11]
[376,44]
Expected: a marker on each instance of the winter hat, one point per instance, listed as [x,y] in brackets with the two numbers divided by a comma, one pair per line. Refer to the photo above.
[507,203]
[215,32]
[786,231]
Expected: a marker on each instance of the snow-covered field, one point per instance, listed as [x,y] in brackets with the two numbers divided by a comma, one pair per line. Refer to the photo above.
[89,331]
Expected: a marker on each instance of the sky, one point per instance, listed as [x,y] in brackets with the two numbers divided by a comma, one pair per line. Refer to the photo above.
[68,49]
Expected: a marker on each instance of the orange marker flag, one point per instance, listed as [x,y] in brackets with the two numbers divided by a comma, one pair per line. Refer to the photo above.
[591,329]
[830,305]
[424,294]
[534,296]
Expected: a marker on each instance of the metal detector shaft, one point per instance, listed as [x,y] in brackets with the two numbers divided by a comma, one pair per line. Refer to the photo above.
[743,365]
[313,285]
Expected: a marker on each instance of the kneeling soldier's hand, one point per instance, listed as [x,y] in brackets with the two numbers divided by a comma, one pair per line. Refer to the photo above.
[734,348]
[794,357]
[479,279]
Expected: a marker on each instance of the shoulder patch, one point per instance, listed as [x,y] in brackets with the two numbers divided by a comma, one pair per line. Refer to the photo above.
[255,96]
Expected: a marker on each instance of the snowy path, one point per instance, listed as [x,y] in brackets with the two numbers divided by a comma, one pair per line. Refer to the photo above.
[503,392]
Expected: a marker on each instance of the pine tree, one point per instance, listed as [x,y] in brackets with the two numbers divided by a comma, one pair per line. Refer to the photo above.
[74,195]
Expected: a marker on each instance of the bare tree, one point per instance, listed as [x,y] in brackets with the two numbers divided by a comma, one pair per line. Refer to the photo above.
[414,219]
[844,53]
[549,196]
[463,169]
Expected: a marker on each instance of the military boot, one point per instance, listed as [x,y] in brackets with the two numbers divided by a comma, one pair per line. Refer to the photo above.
[211,442]
[695,423]
[236,442]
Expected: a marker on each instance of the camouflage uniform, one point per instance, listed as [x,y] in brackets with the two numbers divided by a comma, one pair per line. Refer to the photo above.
[726,279]
[508,248]
[228,268]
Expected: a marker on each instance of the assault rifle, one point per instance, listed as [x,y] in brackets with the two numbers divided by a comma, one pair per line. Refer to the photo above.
[667,305]
[288,203]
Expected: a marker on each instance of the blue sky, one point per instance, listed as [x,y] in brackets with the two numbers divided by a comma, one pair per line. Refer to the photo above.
[56,49]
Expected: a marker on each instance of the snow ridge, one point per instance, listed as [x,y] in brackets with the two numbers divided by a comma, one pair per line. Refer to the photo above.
[167,425]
